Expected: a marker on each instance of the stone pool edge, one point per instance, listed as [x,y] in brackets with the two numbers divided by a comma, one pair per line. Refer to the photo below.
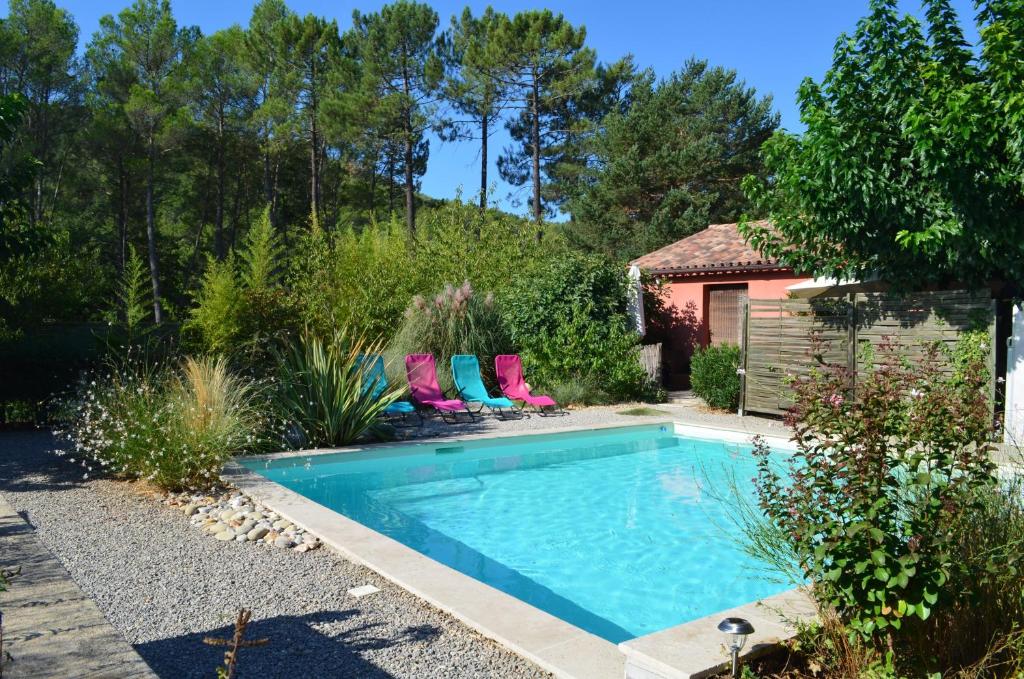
[553,644]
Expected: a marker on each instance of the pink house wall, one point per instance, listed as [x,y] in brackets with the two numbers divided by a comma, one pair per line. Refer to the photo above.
[686,298]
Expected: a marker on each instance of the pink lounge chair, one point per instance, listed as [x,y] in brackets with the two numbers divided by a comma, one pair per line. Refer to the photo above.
[509,369]
[422,374]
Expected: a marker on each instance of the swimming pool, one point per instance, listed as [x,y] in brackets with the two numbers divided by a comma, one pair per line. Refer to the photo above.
[614,531]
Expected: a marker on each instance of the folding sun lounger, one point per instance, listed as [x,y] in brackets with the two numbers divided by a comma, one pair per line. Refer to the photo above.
[509,369]
[376,379]
[426,391]
[466,374]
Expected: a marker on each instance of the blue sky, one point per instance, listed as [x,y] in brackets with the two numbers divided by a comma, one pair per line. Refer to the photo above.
[772,44]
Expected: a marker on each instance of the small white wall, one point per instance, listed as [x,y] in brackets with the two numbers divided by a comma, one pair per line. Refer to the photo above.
[1015,380]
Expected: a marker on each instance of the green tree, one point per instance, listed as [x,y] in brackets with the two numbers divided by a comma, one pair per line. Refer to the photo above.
[478,85]
[264,42]
[402,72]
[39,62]
[549,65]
[144,48]
[312,53]
[224,96]
[671,163]
[911,164]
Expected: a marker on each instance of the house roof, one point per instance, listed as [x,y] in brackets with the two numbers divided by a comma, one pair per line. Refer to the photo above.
[718,248]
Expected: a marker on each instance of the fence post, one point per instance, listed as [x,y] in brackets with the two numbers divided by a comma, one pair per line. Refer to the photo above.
[743,356]
[851,341]
[993,360]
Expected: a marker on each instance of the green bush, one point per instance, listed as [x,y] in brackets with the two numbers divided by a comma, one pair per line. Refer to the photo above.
[323,391]
[242,306]
[567,316]
[175,427]
[577,392]
[713,375]
[363,279]
[455,321]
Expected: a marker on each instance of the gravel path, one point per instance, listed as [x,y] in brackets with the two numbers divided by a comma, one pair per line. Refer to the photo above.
[166,586]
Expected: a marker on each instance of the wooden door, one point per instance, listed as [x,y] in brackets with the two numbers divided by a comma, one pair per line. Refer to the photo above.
[725,313]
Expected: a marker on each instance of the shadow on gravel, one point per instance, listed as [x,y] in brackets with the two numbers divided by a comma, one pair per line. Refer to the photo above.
[300,646]
[28,464]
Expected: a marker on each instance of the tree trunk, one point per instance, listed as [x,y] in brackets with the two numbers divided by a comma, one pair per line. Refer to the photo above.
[314,151]
[483,163]
[410,188]
[314,172]
[391,179]
[218,220]
[268,183]
[236,211]
[535,151]
[154,266]
[122,215]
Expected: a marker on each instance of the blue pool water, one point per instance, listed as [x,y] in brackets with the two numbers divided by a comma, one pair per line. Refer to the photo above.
[614,531]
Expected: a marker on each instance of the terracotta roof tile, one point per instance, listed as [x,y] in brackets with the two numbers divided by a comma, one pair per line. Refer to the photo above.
[718,247]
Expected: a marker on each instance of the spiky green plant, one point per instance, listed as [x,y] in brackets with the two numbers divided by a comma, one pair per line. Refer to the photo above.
[324,391]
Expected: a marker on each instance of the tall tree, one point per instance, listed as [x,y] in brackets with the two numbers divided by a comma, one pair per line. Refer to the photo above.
[911,166]
[224,91]
[671,163]
[38,61]
[145,44]
[402,69]
[478,86]
[311,55]
[549,65]
[264,47]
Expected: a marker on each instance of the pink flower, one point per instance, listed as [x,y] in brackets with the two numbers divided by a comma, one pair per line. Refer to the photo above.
[834,400]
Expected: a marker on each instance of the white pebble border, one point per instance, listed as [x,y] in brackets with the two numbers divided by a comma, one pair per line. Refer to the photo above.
[234,516]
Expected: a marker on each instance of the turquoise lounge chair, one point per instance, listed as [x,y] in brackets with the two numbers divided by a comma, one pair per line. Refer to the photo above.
[377,380]
[466,374]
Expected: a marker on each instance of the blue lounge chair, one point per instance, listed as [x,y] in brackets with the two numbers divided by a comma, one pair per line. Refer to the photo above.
[466,375]
[377,380]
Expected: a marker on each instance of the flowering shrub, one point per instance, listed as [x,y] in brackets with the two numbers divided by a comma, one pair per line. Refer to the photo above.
[887,469]
[455,321]
[174,427]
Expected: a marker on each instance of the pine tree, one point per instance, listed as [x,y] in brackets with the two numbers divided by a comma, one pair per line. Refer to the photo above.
[144,49]
[478,86]
[549,66]
[402,71]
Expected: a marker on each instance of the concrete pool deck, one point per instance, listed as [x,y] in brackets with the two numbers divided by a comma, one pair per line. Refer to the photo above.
[684,651]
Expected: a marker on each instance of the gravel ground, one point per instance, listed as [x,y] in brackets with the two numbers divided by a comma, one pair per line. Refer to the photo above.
[166,586]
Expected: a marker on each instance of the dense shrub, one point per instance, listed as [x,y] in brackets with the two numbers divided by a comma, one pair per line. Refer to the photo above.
[175,427]
[363,280]
[567,316]
[323,392]
[713,375]
[892,510]
[241,305]
[455,321]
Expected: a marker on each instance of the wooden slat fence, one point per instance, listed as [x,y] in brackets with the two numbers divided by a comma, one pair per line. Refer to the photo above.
[783,337]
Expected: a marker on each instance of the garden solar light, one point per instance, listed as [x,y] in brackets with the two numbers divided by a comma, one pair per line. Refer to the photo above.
[737,630]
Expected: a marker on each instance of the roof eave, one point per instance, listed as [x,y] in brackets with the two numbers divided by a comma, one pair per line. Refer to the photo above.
[717,269]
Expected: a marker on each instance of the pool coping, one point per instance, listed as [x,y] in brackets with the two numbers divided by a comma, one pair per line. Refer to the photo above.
[554,644]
